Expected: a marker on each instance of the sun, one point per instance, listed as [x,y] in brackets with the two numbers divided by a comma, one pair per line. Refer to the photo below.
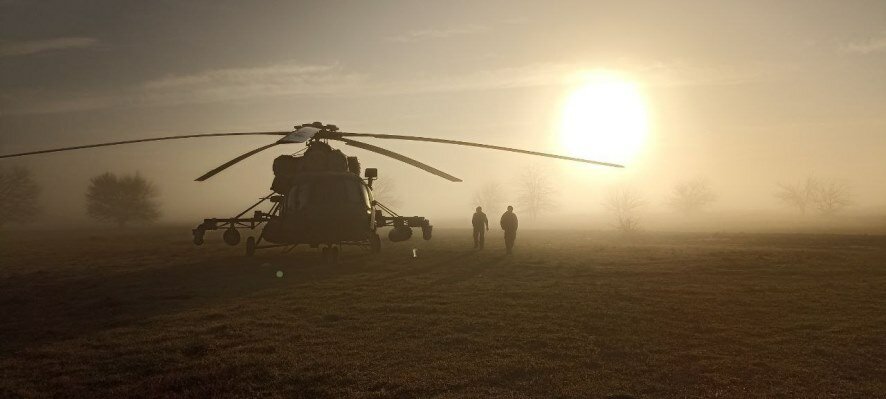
[605,119]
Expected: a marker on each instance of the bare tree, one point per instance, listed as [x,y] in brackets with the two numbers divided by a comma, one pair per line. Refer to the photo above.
[490,196]
[798,195]
[122,199]
[825,196]
[385,191]
[536,191]
[624,203]
[831,197]
[692,196]
[18,196]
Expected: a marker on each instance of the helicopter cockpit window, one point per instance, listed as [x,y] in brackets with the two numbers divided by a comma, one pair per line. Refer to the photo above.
[331,191]
[365,192]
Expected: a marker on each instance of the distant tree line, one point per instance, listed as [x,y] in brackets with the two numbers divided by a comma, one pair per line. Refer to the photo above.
[692,196]
[127,199]
[536,195]
[534,188]
[490,196]
[120,200]
[827,197]
[624,203]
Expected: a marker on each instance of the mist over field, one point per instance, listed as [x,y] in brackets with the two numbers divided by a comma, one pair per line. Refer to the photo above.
[578,195]
[574,205]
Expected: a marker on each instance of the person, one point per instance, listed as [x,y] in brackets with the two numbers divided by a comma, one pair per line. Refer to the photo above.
[481,225]
[509,225]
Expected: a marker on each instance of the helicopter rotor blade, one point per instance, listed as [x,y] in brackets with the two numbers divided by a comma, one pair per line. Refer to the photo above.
[333,135]
[235,160]
[189,136]
[401,158]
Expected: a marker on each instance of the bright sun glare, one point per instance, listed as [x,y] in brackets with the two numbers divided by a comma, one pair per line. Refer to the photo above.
[605,119]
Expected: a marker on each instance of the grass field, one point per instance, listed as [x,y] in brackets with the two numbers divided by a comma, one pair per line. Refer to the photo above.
[571,314]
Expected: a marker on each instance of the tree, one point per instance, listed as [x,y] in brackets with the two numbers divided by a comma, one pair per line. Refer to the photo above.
[18,196]
[624,203]
[825,196]
[490,196]
[536,191]
[122,200]
[831,197]
[692,196]
[385,191]
[798,195]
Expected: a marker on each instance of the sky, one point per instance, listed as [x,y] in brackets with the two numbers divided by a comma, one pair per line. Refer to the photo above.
[744,93]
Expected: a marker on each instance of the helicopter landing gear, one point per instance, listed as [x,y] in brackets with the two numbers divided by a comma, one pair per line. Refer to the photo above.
[374,243]
[250,246]
[198,236]
[231,236]
[329,255]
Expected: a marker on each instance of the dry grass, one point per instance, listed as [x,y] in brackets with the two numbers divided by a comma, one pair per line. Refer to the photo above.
[145,314]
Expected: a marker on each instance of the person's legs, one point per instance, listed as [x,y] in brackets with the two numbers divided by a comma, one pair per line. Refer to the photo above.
[482,237]
[509,240]
[476,237]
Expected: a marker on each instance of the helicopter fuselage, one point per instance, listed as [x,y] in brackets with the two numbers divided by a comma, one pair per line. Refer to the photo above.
[319,199]
[323,207]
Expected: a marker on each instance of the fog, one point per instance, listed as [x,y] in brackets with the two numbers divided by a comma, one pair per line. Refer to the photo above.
[746,95]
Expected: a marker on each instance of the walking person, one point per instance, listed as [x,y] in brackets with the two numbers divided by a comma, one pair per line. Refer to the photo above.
[481,225]
[509,225]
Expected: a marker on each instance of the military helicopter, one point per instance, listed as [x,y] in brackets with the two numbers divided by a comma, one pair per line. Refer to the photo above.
[317,195]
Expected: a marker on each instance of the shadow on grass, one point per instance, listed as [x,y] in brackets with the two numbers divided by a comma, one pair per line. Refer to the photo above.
[38,308]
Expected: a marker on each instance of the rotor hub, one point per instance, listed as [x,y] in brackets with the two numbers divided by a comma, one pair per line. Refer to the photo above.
[318,125]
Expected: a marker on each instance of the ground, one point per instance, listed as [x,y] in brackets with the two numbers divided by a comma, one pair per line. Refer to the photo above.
[144,313]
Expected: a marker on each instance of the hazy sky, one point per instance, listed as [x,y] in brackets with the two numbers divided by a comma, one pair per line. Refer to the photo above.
[746,93]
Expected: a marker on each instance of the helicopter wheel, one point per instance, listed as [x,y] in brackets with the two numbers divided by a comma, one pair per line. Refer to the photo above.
[374,243]
[231,236]
[250,246]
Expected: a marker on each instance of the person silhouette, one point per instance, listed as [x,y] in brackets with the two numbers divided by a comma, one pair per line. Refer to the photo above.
[509,225]
[481,225]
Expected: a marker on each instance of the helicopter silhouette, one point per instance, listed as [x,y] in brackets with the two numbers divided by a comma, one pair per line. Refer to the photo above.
[318,197]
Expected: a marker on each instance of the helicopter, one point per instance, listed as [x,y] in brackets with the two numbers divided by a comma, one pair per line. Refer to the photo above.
[318,196]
